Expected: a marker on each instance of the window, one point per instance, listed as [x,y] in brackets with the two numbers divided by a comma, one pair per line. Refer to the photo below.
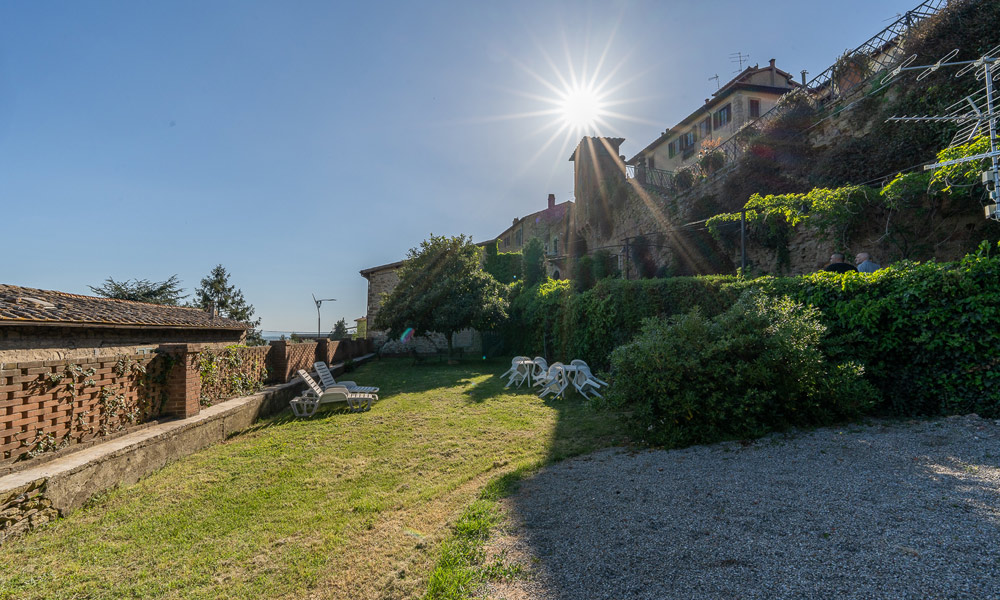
[506,242]
[651,161]
[519,237]
[555,245]
[754,106]
[688,139]
[671,151]
[705,127]
[723,116]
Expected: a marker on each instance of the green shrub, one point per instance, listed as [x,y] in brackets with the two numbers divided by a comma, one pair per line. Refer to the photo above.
[756,368]
[929,334]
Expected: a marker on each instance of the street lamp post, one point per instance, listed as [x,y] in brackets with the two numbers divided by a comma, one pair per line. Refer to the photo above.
[319,302]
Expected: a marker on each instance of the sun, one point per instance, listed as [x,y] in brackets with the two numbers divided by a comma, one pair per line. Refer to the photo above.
[581,108]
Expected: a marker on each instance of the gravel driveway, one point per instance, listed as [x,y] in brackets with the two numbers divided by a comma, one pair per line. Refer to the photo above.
[890,510]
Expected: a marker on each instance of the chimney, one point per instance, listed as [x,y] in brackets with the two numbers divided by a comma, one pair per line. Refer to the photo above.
[772,72]
[211,310]
[804,76]
[552,200]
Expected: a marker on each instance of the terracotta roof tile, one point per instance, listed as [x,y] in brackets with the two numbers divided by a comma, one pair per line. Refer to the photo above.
[28,305]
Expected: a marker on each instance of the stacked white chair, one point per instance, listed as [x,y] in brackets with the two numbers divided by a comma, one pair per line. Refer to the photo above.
[556,381]
[519,371]
[540,371]
[584,380]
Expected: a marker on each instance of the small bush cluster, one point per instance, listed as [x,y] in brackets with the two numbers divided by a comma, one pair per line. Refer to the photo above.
[757,367]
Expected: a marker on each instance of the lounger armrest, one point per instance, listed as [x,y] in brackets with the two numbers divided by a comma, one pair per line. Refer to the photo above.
[347,383]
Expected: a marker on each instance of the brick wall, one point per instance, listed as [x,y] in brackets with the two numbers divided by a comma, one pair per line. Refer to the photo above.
[48,405]
[232,372]
[287,358]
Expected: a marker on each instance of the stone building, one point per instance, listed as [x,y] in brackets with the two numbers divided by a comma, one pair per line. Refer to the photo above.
[48,325]
[552,226]
[744,98]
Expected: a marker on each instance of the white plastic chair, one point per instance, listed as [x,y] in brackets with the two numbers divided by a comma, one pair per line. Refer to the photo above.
[556,383]
[327,381]
[513,366]
[519,372]
[583,380]
[309,402]
[540,371]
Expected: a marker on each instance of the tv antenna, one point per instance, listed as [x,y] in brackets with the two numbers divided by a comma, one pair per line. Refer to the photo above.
[739,57]
[318,304]
[716,78]
[973,114]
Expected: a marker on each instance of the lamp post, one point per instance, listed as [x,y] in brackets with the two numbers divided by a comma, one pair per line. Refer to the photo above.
[319,303]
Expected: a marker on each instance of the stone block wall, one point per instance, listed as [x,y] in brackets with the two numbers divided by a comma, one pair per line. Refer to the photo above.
[23,508]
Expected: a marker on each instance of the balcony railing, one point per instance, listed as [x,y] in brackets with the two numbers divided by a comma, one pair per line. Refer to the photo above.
[657,179]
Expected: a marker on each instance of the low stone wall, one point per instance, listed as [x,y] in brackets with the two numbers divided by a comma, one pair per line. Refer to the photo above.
[24,507]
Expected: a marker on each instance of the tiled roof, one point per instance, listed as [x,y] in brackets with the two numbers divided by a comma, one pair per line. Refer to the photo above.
[21,305]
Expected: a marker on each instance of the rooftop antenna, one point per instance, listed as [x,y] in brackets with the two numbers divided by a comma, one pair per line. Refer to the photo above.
[739,57]
[716,78]
[318,304]
[973,114]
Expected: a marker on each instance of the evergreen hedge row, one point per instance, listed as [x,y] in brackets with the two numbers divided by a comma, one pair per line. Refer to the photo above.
[927,334]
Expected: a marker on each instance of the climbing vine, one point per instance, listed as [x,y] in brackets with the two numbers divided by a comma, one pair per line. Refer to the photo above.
[232,372]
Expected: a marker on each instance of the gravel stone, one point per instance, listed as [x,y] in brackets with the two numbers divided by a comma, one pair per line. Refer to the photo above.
[886,510]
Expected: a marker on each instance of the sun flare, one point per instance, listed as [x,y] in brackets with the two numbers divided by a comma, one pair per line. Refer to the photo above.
[581,108]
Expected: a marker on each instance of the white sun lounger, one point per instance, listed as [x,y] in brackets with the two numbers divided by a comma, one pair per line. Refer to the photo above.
[309,402]
[327,380]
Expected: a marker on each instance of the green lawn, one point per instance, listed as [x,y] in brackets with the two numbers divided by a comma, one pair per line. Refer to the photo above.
[342,505]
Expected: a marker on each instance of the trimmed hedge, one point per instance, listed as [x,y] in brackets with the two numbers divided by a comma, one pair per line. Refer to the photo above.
[553,321]
[927,334]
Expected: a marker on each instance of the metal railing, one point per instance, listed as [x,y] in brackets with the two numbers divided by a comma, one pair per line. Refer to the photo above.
[658,179]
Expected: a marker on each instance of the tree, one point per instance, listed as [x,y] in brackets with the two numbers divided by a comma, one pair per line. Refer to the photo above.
[443,288]
[339,330]
[228,300]
[142,290]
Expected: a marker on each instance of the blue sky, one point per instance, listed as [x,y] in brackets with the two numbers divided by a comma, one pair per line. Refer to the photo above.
[299,142]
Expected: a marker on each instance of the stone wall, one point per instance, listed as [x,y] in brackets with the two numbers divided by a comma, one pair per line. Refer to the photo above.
[379,283]
[24,507]
[19,343]
[468,341]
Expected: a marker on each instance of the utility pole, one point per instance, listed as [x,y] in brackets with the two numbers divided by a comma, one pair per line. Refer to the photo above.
[319,302]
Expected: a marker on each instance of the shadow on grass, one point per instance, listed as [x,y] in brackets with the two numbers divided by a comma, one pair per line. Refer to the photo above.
[400,375]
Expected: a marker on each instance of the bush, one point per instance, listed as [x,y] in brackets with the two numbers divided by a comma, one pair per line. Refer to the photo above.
[929,334]
[756,368]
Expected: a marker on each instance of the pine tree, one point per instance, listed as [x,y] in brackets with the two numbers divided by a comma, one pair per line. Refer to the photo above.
[228,300]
